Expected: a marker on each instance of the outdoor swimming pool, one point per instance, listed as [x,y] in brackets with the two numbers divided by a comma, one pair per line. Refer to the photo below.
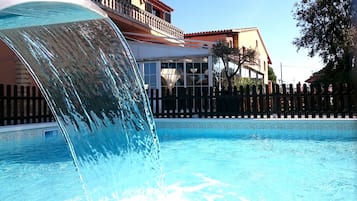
[211,159]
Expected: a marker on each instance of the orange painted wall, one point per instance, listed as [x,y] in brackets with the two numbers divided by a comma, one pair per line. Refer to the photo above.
[212,38]
[7,65]
[217,37]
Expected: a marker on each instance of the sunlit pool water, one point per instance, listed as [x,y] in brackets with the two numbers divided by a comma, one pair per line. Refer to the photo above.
[205,160]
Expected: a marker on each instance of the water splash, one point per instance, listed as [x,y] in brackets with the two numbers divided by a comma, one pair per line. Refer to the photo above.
[91,82]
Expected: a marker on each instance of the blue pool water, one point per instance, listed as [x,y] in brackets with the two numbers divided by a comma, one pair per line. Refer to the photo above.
[205,160]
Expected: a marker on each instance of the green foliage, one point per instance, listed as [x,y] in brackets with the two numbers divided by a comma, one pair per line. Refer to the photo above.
[237,56]
[244,81]
[271,74]
[327,30]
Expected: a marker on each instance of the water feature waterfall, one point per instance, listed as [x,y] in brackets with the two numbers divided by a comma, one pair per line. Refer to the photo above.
[86,72]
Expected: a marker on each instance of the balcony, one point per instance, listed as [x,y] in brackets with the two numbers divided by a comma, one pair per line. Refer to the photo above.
[141,18]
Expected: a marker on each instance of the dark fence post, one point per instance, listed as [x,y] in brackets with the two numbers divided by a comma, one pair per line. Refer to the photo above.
[313,101]
[190,103]
[211,104]
[2,105]
[267,101]
[335,100]
[306,102]
[255,102]
[241,101]
[149,93]
[261,101]
[22,105]
[236,102]
[157,103]
[291,102]
[278,100]
[326,101]
[248,101]
[9,105]
[320,100]
[286,102]
[39,108]
[28,104]
[342,100]
[298,100]
[205,102]
[15,105]
[349,100]
[34,105]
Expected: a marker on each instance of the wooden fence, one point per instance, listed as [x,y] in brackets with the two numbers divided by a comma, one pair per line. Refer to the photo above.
[24,104]
[285,101]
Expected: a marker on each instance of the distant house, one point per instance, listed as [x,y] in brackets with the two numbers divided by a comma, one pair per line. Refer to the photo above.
[237,38]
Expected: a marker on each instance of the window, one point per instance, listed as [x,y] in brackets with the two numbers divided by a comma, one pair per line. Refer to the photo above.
[148,7]
[167,17]
[150,74]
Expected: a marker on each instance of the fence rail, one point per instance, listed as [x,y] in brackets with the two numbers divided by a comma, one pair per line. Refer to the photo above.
[24,104]
[285,101]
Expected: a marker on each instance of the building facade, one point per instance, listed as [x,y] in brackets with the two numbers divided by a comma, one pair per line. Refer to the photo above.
[238,38]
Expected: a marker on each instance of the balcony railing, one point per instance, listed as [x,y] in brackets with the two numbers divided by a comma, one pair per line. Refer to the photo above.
[141,16]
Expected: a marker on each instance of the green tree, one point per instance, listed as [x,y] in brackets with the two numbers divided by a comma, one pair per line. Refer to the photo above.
[244,81]
[236,56]
[271,74]
[327,30]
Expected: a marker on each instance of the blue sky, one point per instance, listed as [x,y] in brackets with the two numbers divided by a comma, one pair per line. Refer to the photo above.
[274,20]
